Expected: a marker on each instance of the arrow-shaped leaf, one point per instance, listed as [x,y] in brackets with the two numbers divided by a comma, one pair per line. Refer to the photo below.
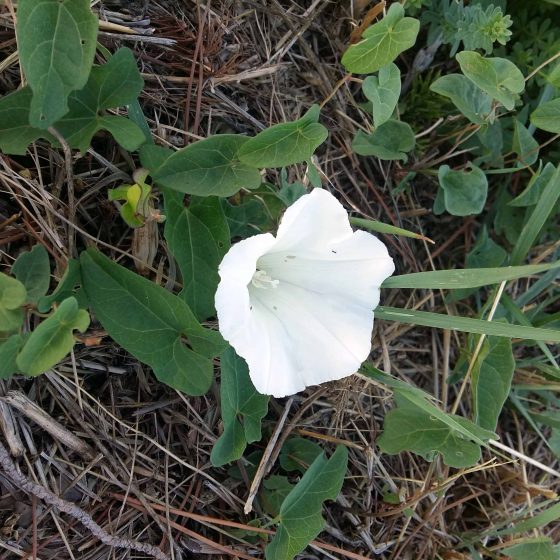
[243,408]
[286,143]
[300,519]
[151,323]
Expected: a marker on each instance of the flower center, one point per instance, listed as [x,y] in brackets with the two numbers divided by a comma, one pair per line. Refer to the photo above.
[262,280]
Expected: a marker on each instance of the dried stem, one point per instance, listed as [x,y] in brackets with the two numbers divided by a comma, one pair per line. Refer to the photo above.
[23,483]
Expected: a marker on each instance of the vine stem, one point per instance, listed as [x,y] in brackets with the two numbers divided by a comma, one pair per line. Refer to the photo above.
[23,483]
[69,172]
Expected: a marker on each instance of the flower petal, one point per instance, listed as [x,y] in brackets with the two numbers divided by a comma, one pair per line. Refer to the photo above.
[232,296]
[304,338]
[353,268]
[313,221]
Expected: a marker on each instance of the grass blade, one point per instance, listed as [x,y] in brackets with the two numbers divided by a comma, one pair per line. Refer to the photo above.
[465,324]
[465,278]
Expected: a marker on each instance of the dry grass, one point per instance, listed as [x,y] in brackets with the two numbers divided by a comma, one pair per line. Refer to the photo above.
[236,66]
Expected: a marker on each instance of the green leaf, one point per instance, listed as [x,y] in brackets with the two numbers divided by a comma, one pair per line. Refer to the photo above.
[540,548]
[383,91]
[298,453]
[547,116]
[390,141]
[151,323]
[53,339]
[300,519]
[549,515]
[537,219]
[12,292]
[56,45]
[285,143]
[33,270]
[9,350]
[465,278]
[12,297]
[491,381]
[136,197]
[465,324]
[524,145]
[66,287]
[409,428]
[466,96]
[534,190]
[243,408]
[274,491]
[209,167]
[464,192]
[15,131]
[382,42]
[114,84]
[198,238]
[380,227]
[498,77]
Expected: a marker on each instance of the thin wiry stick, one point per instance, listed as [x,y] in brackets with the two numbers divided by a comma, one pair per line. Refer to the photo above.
[23,483]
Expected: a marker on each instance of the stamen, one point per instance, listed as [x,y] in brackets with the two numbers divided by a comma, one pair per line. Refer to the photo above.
[262,280]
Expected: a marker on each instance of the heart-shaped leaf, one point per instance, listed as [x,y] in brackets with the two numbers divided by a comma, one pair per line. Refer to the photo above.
[464,192]
[382,42]
[383,91]
[498,77]
[465,95]
[56,45]
[390,141]
[12,297]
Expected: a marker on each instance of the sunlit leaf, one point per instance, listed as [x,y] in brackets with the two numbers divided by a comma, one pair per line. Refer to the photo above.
[547,116]
[465,95]
[382,42]
[383,91]
[409,428]
[498,77]
[391,141]
[285,143]
[53,339]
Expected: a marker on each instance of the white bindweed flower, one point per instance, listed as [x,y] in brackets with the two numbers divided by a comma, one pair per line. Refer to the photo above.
[299,306]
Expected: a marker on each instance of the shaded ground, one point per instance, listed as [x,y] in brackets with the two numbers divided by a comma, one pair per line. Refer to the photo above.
[240,66]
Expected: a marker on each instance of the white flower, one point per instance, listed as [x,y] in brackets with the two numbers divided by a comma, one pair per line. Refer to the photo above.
[299,306]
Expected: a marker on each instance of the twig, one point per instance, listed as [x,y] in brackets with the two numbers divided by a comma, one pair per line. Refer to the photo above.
[263,466]
[23,483]
[20,402]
